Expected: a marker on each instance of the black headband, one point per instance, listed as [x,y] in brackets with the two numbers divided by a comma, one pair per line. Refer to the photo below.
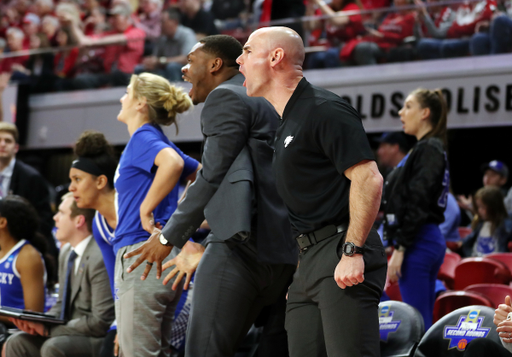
[87,165]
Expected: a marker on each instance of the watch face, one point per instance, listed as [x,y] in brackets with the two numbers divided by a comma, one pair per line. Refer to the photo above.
[348,249]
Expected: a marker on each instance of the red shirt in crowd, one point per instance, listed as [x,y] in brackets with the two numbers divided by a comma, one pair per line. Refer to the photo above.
[468,15]
[65,64]
[124,57]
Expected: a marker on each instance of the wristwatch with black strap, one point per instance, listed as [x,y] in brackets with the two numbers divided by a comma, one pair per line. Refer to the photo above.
[349,249]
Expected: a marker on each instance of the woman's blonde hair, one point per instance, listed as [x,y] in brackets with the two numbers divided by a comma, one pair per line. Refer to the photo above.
[164,100]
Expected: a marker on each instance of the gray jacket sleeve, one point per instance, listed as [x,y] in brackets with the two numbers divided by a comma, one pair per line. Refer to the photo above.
[433,30]
[225,124]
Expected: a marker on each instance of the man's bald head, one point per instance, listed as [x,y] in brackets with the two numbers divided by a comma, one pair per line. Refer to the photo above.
[282,37]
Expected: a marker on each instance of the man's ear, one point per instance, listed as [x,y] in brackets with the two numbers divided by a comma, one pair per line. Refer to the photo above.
[79,221]
[16,148]
[216,65]
[276,57]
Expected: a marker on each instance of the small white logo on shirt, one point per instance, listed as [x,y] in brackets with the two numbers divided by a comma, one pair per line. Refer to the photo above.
[288,140]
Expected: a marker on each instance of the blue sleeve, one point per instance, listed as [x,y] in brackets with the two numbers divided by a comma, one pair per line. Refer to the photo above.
[190,165]
[145,145]
[109,258]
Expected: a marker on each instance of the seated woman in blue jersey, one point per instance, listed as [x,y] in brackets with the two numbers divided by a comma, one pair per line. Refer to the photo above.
[146,184]
[24,263]
[415,197]
[492,229]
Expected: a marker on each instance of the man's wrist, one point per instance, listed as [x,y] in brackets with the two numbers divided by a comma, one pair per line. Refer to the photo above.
[163,241]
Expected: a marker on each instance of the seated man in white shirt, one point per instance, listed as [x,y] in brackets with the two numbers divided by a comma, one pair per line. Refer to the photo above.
[85,299]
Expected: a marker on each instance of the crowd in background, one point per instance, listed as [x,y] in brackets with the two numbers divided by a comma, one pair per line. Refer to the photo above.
[97,43]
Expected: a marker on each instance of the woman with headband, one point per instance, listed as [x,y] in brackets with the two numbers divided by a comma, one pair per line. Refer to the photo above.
[146,184]
[92,185]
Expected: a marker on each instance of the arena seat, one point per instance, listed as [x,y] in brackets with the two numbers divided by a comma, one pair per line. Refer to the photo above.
[449,336]
[494,292]
[393,291]
[401,329]
[447,270]
[471,271]
[505,258]
[464,232]
[452,300]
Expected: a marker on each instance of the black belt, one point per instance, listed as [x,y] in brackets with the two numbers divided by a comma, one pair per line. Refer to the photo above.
[306,240]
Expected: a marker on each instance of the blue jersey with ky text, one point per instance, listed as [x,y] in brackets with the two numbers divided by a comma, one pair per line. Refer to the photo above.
[104,236]
[11,291]
[134,176]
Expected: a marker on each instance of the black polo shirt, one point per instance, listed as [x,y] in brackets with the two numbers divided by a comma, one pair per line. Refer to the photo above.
[319,137]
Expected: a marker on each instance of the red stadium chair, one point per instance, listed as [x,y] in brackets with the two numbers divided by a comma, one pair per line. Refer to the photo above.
[464,232]
[505,258]
[471,271]
[495,292]
[447,270]
[393,291]
[453,300]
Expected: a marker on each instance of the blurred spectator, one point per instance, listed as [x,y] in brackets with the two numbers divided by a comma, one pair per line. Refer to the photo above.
[15,39]
[124,48]
[339,29]
[492,229]
[171,49]
[435,21]
[384,42]
[43,8]
[21,179]
[39,67]
[84,301]
[22,257]
[495,174]
[67,12]
[284,9]
[469,18]
[498,39]
[149,20]
[95,23]
[65,60]
[196,18]
[227,9]
[31,24]
[49,27]
[393,147]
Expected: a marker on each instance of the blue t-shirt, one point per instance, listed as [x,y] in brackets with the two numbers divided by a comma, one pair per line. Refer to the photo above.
[450,227]
[104,235]
[11,291]
[133,179]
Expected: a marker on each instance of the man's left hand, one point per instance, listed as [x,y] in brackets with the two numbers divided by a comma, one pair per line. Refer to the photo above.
[349,271]
[32,328]
[153,252]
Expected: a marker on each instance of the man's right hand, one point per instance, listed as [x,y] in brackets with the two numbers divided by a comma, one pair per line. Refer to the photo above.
[150,62]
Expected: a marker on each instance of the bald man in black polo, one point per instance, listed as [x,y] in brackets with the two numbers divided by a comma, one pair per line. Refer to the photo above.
[325,173]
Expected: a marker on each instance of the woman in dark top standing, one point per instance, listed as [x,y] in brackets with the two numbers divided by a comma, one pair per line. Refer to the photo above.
[415,199]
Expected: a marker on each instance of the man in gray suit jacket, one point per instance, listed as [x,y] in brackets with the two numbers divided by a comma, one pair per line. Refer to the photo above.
[87,303]
[250,255]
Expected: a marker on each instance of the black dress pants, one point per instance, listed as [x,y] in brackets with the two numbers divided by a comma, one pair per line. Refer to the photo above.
[325,320]
[483,347]
[230,290]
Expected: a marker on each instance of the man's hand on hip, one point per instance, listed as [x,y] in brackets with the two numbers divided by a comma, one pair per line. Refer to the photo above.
[153,252]
[349,271]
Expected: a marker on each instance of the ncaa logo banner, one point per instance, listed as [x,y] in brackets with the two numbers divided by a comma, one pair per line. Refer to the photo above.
[467,329]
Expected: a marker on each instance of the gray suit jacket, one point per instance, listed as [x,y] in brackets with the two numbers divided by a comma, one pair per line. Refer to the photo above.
[91,305]
[235,190]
